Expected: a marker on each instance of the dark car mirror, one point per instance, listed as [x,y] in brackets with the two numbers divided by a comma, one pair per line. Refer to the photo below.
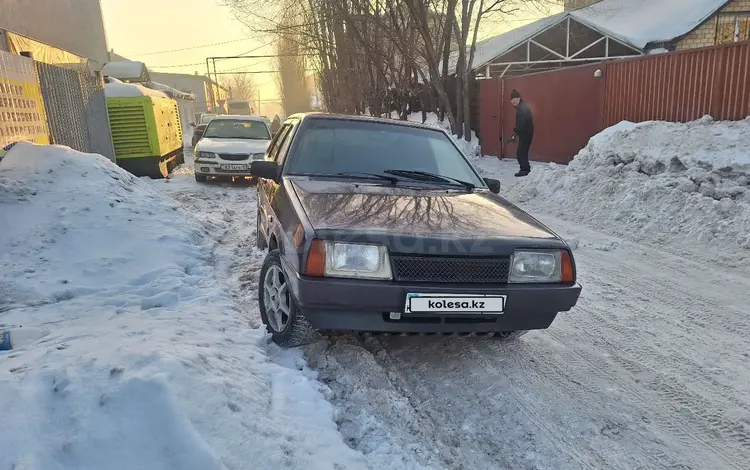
[263,169]
[192,124]
[493,184]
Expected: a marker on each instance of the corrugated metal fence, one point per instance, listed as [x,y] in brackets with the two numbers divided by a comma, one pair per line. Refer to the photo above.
[681,86]
[76,109]
[571,105]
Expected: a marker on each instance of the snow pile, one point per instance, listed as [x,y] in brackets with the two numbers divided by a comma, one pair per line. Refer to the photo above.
[137,357]
[117,89]
[683,185]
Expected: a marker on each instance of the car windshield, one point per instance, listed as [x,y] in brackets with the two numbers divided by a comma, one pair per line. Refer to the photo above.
[237,129]
[338,146]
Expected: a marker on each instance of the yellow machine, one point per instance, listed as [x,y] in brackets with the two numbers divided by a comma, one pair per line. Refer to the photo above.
[147,134]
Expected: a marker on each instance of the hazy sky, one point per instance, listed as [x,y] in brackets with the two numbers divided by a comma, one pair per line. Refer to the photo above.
[138,29]
[144,29]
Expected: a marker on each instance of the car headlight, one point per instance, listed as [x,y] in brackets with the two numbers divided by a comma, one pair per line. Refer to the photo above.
[206,155]
[536,266]
[337,259]
[258,156]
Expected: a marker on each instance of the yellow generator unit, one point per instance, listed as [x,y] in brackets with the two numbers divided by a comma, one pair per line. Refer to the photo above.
[147,134]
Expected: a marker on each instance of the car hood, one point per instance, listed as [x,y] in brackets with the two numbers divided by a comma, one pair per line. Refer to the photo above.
[208,144]
[373,208]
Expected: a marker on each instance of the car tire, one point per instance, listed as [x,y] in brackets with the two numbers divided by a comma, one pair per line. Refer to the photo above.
[260,240]
[296,330]
[509,335]
[201,178]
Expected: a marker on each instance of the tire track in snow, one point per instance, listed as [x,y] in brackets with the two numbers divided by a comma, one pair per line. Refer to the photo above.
[620,382]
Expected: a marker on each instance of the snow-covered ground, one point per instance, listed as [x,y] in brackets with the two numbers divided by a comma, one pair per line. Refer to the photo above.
[143,358]
[650,370]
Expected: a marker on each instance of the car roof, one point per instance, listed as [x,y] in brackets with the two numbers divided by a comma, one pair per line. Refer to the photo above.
[347,117]
[238,117]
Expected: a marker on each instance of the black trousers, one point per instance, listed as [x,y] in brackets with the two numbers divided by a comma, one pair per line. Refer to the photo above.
[522,154]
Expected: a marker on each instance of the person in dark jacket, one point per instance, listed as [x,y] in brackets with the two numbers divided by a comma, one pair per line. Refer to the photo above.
[524,131]
[275,124]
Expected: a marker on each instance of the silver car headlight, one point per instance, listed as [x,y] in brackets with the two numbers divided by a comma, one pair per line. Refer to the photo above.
[206,155]
[258,156]
[536,266]
[357,261]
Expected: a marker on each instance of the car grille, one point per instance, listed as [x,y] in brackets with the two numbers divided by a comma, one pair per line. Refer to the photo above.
[446,269]
[235,157]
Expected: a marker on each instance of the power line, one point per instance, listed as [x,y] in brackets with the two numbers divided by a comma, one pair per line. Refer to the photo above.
[192,47]
[203,63]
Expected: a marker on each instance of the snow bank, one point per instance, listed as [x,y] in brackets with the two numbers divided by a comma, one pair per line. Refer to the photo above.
[681,185]
[139,357]
[118,89]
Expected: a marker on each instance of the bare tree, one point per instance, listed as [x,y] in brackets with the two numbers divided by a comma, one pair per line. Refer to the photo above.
[240,86]
[379,54]
[295,93]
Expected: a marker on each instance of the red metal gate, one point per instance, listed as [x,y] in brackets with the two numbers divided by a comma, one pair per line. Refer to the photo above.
[568,108]
[490,110]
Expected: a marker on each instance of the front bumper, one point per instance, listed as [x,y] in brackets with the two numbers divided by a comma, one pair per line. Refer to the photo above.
[363,305]
[214,168]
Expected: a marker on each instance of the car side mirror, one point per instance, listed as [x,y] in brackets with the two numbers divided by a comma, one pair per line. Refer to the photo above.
[264,169]
[192,124]
[273,134]
[493,184]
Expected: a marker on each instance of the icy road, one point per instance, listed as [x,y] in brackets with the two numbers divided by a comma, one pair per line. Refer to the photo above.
[650,370]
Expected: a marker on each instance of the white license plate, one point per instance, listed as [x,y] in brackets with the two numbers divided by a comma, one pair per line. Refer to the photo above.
[455,303]
[234,167]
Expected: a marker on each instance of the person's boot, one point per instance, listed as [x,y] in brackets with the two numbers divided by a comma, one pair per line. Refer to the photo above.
[522,173]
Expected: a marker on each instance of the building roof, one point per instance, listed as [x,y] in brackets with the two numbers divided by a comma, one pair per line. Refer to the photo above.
[637,23]
[641,22]
[132,71]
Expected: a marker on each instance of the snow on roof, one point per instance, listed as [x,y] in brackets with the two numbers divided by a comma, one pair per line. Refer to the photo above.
[640,22]
[126,70]
[172,92]
[118,89]
[492,47]
[634,22]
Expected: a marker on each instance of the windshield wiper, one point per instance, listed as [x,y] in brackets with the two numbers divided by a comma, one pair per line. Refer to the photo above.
[363,175]
[357,175]
[427,176]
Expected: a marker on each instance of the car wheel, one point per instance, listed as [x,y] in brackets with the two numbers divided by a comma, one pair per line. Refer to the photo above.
[200,178]
[260,240]
[278,309]
[509,335]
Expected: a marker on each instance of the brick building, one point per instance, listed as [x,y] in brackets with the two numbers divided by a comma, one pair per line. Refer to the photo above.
[730,24]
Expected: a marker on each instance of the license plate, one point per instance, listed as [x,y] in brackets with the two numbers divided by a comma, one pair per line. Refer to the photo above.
[234,167]
[455,303]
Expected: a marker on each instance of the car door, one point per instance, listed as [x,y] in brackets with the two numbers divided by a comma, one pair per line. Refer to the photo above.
[267,188]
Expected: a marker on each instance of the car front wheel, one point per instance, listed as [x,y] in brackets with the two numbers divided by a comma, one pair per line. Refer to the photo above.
[278,310]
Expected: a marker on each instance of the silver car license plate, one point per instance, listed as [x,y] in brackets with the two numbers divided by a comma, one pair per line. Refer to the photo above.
[466,304]
[233,167]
